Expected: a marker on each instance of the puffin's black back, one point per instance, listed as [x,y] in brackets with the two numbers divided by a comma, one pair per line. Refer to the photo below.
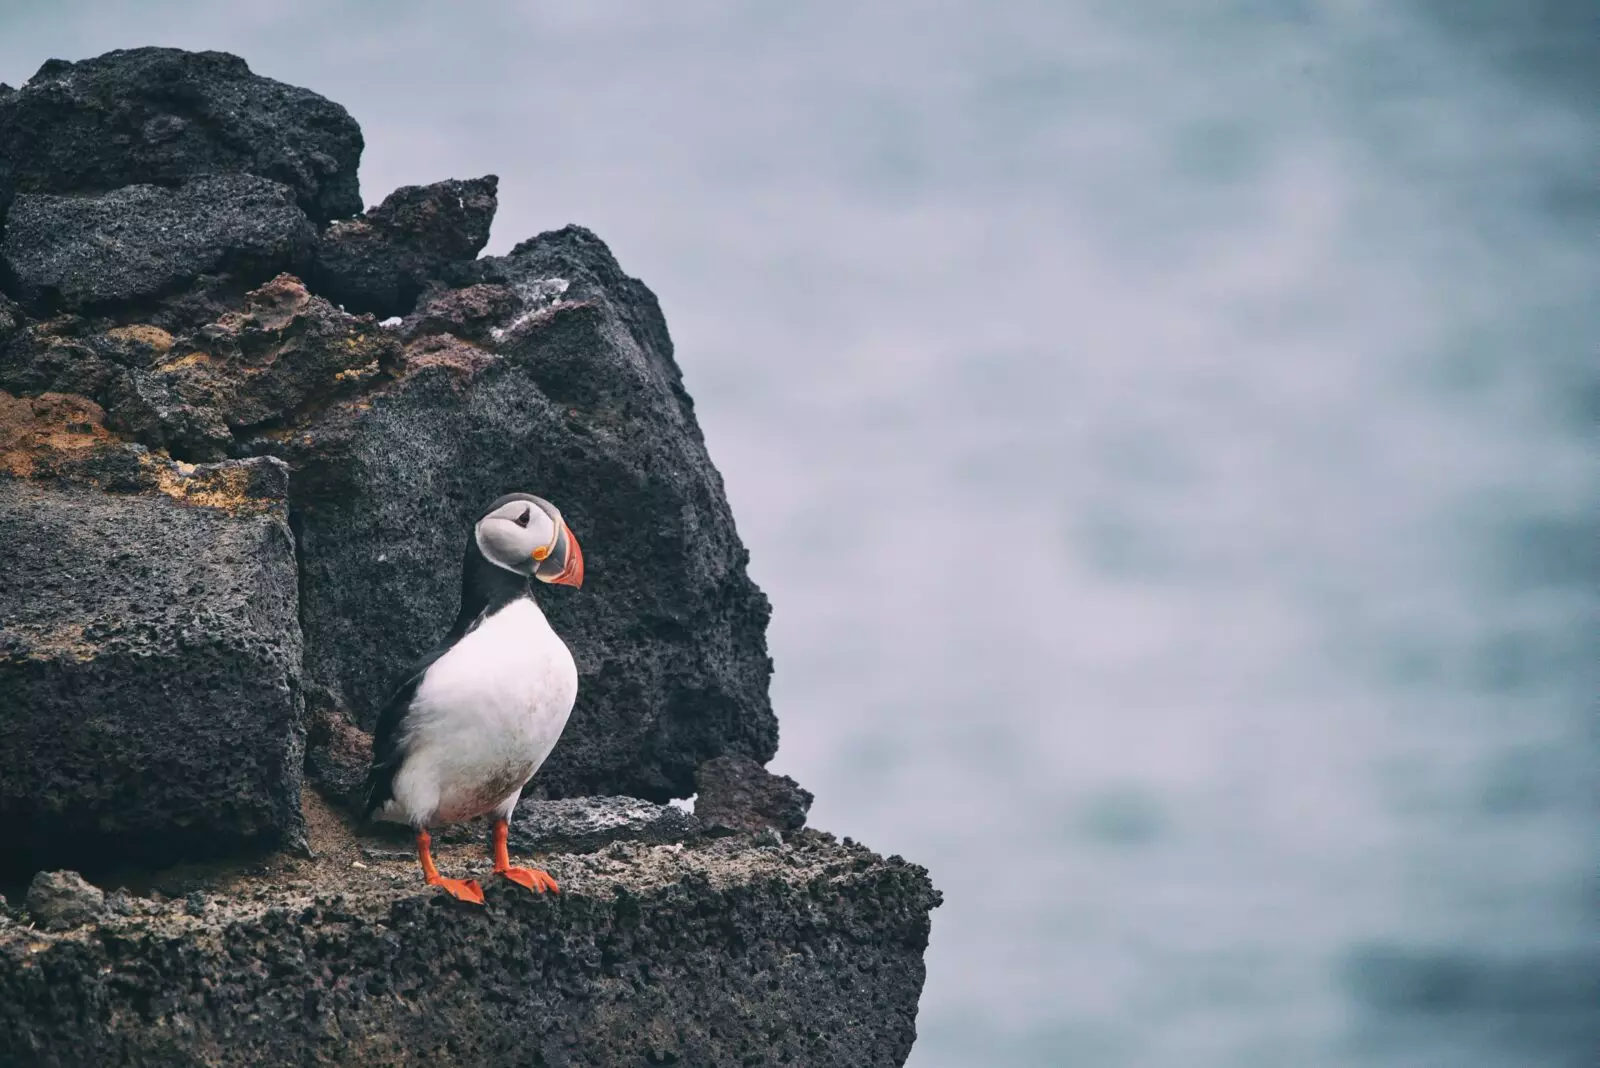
[485,589]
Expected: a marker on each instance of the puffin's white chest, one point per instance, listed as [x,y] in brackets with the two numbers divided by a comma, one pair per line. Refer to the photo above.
[485,716]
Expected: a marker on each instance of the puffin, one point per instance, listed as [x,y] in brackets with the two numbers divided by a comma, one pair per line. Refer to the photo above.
[472,721]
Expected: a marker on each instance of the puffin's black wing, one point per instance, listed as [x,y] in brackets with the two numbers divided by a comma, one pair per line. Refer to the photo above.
[388,752]
[388,739]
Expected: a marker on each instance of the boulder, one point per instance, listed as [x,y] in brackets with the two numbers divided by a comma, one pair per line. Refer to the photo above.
[734,793]
[59,900]
[471,313]
[160,115]
[149,652]
[141,242]
[382,261]
[806,952]
[570,392]
[56,355]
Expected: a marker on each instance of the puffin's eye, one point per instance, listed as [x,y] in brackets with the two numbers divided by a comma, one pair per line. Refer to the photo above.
[522,520]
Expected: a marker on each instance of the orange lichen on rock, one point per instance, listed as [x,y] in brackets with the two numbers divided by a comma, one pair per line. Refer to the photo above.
[227,487]
[178,363]
[152,337]
[34,431]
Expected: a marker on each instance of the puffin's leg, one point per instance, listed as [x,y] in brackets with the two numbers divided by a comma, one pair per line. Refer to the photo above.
[460,889]
[532,878]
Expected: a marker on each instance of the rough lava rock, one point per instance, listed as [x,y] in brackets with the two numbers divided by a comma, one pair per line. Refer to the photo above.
[160,115]
[585,824]
[472,314]
[338,754]
[734,793]
[58,900]
[11,319]
[141,242]
[382,261]
[149,652]
[573,395]
[250,371]
[806,952]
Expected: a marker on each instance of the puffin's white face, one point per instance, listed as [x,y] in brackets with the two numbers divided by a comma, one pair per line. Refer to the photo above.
[528,536]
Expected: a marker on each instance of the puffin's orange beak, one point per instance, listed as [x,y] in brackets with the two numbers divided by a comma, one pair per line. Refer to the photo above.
[571,573]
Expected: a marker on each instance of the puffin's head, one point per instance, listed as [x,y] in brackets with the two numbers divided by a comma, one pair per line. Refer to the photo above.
[526,534]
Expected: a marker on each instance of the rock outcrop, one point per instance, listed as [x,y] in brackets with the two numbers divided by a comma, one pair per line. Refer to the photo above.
[383,260]
[570,390]
[160,115]
[149,649]
[234,504]
[733,793]
[143,242]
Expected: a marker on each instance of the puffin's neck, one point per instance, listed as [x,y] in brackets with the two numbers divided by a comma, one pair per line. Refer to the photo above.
[485,587]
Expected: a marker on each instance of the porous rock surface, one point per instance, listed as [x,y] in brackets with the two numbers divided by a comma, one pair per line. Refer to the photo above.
[253,368]
[149,652]
[586,824]
[383,260]
[58,900]
[570,392]
[160,115]
[803,951]
[734,793]
[144,241]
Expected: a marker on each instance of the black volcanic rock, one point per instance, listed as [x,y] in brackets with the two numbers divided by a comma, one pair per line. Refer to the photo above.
[59,900]
[807,952]
[382,261]
[160,115]
[586,824]
[252,368]
[574,396]
[55,356]
[149,652]
[141,242]
[11,319]
[734,793]
[472,313]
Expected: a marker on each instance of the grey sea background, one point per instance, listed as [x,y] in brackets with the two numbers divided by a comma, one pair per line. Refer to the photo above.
[1165,432]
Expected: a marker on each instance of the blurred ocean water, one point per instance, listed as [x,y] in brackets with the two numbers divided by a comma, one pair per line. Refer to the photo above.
[1163,431]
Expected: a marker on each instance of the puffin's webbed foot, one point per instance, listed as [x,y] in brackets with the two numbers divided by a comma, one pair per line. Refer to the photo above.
[460,889]
[532,878]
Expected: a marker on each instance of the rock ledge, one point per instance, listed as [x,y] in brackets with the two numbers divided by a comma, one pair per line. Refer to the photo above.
[803,951]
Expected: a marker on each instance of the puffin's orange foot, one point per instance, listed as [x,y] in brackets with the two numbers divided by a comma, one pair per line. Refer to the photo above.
[532,878]
[460,889]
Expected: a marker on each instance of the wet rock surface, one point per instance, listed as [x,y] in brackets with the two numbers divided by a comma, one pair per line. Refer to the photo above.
[382,261]
[141,242]
[803,952]
[160,115]
[573,395]
[58,900]
[149,653]
[734,793]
